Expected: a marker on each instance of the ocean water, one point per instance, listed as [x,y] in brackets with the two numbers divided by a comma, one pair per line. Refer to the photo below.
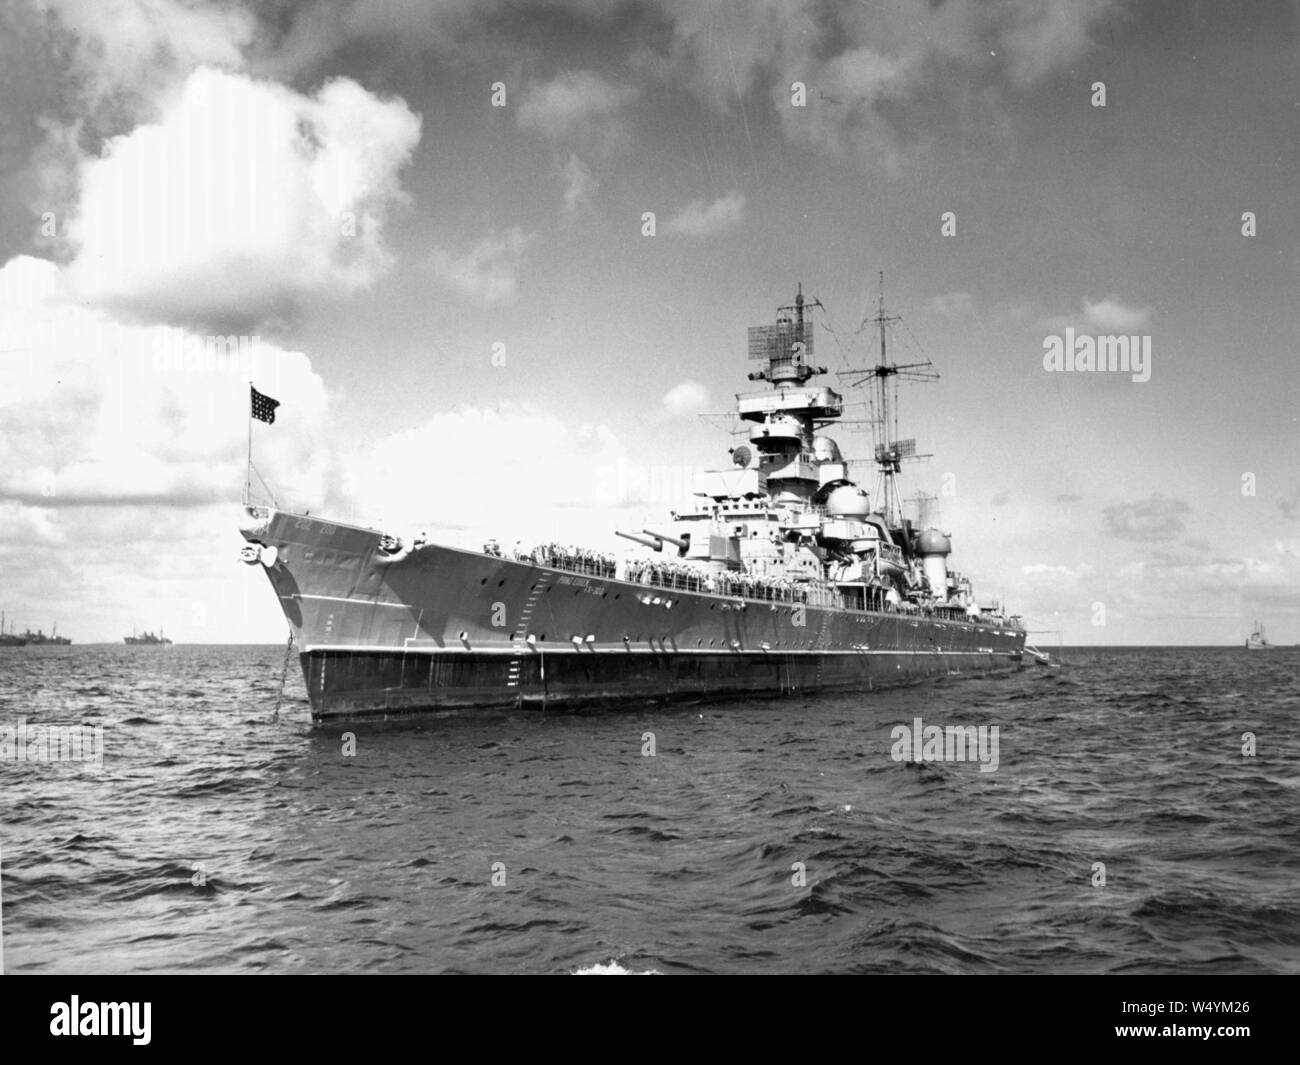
[763,836]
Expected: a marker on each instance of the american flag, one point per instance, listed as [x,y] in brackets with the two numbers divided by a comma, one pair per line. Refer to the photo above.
[263,406]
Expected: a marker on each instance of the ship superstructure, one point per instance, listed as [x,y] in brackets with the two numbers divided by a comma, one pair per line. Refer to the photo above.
[781,577]
[787,511]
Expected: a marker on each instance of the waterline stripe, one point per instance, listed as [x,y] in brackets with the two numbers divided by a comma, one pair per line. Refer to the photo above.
[613,649]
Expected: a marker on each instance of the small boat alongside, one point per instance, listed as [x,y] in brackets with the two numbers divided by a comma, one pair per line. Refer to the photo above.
[1041,658]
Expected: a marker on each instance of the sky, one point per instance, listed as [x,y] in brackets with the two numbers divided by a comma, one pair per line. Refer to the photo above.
[496,261]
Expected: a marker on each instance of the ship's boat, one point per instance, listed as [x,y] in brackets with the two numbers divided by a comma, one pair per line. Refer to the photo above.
[784,576]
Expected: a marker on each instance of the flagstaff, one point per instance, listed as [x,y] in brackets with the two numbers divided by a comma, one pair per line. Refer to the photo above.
[261,408]
[248,469]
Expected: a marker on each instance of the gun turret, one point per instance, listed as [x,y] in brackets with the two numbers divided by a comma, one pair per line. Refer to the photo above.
[680,544]
[639,539]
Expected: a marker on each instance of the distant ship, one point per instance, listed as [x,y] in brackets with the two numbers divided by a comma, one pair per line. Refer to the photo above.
[147,638]
[8,639]
[782,577]
[38,638]
[1256,642]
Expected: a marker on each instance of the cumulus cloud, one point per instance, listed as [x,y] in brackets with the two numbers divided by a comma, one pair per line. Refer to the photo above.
[722,49]
[1151,519]
[73,74]
[860,61]
[242,199]
[579,183]
[951,304]
[302,35]
[574,104]
[700,218]
[1290,506]
[1266,580]
[489,272]
[130,53]
[1112,315]
[521,445]
[845,117]
[122,449]
[1051,587]
[1108,315]
[1038,36]
[1048,570]
[96,412]
[686,399]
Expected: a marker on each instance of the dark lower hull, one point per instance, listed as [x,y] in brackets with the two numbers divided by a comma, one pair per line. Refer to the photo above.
[383,633]
[348,684]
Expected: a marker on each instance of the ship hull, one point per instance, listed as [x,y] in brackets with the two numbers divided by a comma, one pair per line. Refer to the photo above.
[349,684]
[437,628]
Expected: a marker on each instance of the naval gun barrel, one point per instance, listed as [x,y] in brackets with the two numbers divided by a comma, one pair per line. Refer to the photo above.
[638,539]
[678,543]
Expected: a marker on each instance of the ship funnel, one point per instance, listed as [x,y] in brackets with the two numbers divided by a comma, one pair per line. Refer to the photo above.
[934,548]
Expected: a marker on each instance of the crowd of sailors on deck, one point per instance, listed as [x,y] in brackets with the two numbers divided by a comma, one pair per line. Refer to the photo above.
[667,574]
[656,572]
[682,577]
[560,556]
[690,579]
[573,559]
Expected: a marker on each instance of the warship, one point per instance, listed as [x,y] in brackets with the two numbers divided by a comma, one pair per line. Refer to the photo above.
[781,577]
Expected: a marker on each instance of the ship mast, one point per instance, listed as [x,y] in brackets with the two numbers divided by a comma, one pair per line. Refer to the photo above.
[890,451]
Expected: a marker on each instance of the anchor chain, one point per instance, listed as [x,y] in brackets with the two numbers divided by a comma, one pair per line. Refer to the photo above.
[284,676]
